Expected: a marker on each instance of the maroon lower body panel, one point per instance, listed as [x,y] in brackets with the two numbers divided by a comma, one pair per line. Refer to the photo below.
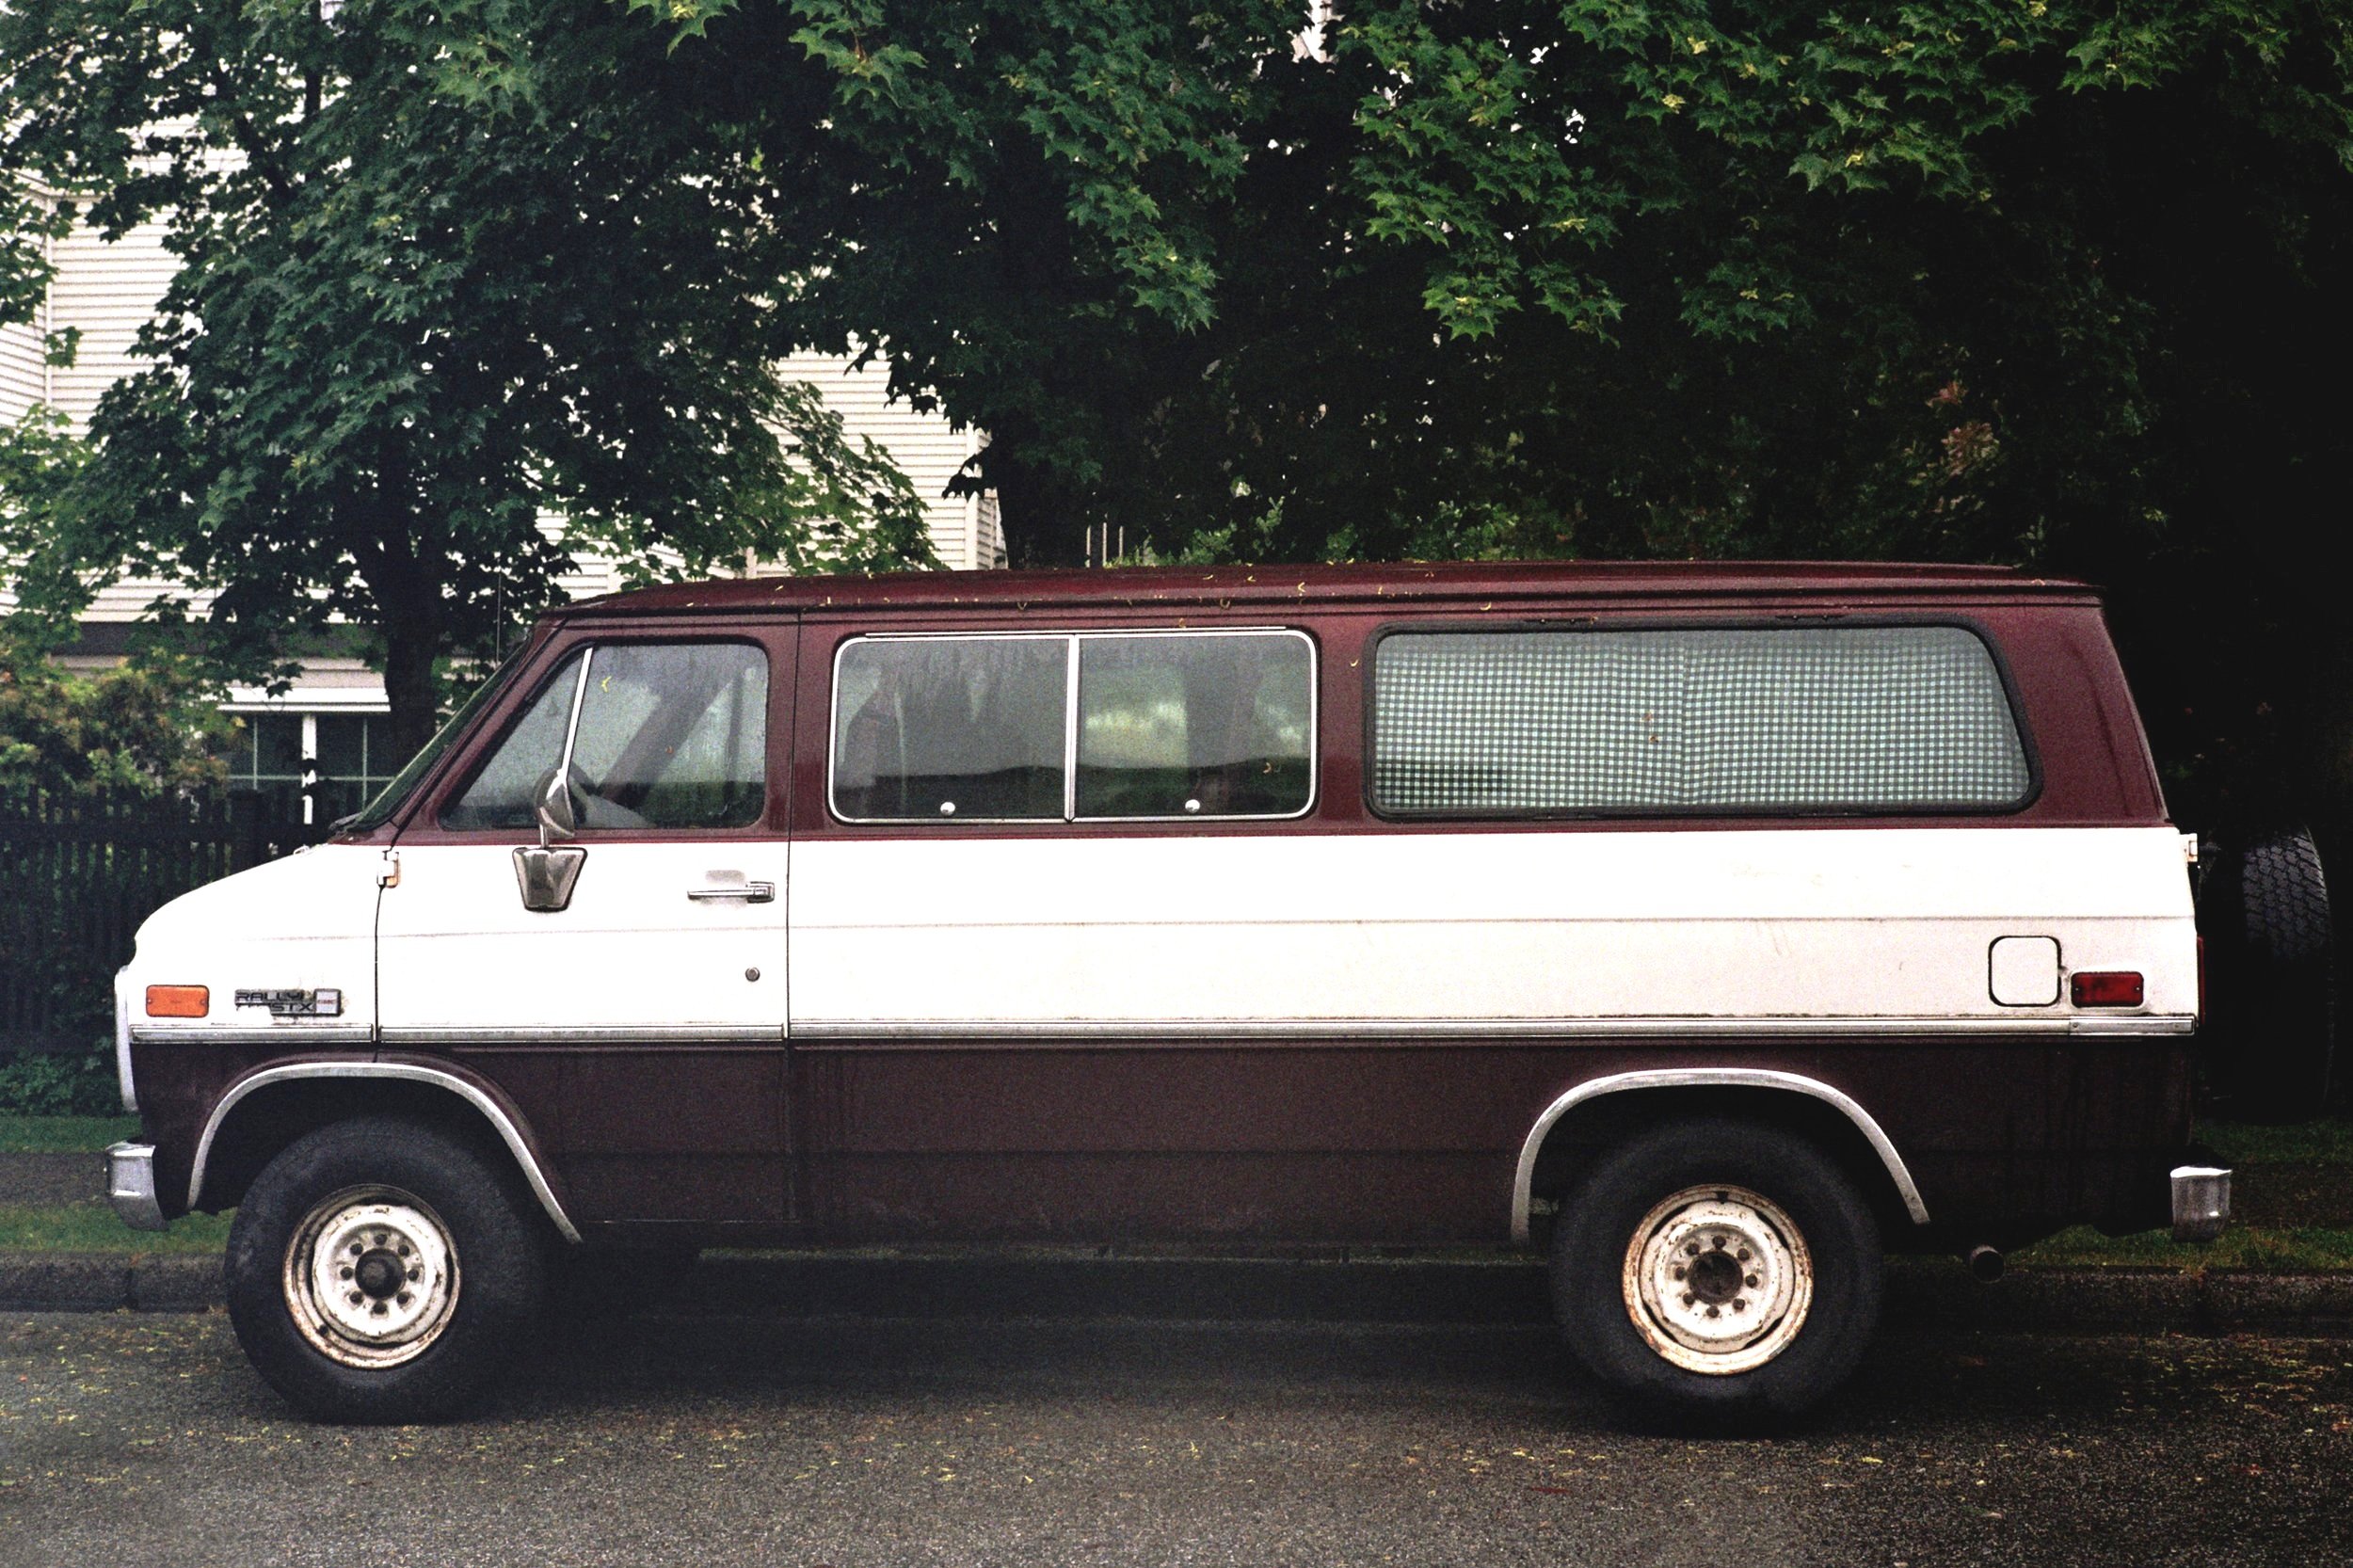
[1404,1142]
[1367,1140]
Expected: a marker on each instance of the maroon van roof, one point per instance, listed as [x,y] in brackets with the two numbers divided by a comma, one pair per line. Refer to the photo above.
[1485,580]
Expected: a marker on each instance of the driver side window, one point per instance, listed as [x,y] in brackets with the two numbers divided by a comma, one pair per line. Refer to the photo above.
[668,735]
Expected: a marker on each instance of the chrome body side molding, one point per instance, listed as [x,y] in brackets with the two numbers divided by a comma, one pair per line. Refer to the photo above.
[1465,1029]
[1708,1078]
[584,1034]
[293,1033]
[407,1073]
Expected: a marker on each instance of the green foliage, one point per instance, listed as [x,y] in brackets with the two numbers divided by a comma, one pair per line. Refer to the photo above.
[148,727]
[2041,282]
[444,270]
[80,1084]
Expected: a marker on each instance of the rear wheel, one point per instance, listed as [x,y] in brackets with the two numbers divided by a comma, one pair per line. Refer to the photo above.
[1716,1266]
[382,1270]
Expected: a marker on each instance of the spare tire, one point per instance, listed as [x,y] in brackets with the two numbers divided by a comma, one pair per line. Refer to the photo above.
[2271,964]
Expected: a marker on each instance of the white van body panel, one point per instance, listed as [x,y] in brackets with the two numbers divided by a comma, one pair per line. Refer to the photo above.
[304,922]
[632,958]
[1814,924]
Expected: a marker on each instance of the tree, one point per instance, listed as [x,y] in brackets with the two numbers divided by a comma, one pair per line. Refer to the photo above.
[444,270]
[2044,283]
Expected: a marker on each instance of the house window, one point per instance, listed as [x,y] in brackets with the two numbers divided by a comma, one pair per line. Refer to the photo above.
[344,758]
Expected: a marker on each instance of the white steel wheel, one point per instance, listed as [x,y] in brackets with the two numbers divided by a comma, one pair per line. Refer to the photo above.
[385,1269]
[371,1276]
[1718,1279]
[1716,1268]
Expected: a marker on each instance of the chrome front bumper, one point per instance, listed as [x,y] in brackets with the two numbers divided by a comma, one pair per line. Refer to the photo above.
[131,1185]
[2202,1202]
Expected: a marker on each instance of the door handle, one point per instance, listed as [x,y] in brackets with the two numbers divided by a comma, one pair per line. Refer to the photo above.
[748,892]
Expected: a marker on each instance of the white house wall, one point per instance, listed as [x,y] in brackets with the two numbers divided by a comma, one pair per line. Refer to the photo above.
[20,369]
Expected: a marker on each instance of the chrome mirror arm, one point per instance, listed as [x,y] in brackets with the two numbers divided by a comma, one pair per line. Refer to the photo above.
[545,876]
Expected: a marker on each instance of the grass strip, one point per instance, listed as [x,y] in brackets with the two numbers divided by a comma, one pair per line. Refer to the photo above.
[96,1227]
[2322,1142]
[64,1134]
[2287,1249]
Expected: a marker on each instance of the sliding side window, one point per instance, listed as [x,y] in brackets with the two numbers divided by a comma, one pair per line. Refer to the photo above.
[1156,725]
[1215,725]
[962,727]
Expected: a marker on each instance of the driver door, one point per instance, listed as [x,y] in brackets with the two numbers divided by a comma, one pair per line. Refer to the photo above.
[641,1024]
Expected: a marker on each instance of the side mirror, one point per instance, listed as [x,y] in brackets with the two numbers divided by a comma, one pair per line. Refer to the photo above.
[554,807]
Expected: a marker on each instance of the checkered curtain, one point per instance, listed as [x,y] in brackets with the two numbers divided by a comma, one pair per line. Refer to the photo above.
[1855,718]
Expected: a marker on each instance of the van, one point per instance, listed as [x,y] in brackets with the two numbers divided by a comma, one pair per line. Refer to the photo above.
[1716,928]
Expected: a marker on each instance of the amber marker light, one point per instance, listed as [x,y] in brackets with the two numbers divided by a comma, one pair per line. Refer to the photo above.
[2105,989]
[178,1002]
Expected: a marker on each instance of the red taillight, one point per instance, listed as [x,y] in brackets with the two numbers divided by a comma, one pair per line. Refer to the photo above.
[178,1002]
[2105,989]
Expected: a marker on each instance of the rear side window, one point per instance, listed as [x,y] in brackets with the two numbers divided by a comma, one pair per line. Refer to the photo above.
[1088,726]
[1709,721]
[668,735]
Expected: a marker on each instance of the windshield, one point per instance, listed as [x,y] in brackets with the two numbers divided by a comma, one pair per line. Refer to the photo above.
[376,813]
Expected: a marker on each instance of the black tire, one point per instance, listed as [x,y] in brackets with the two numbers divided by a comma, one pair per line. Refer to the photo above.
[422,1184]
[2271,957]
[1606,1230]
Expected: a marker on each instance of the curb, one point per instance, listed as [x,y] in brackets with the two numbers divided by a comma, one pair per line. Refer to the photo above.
[1502,1291]
[109,1282]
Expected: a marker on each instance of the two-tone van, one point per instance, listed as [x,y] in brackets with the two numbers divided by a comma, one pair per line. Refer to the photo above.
[1717,927]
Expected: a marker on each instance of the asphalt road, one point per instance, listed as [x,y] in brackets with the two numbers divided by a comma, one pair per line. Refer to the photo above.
[134,1440]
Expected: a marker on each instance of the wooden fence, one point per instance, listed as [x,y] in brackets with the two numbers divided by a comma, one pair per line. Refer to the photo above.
[78,874]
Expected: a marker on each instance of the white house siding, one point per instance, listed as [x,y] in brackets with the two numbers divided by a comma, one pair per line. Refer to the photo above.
[20,369]
[928,449]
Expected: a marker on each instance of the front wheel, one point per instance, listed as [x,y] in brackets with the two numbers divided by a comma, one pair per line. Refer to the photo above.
[1717,1267]
[382,1270]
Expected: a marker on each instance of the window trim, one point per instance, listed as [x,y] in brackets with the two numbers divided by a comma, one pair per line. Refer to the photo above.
[1793,622]
[1069,817]
[518,704]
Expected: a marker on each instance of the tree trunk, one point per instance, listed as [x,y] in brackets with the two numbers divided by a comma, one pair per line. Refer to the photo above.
[409,684]
[1042,526]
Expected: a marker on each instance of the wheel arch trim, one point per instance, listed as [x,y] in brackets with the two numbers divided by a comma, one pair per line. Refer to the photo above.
[501,1120]
[1709,1078]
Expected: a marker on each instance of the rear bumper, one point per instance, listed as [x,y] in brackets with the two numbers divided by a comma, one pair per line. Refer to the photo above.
[2202,1202]
[131,1185]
